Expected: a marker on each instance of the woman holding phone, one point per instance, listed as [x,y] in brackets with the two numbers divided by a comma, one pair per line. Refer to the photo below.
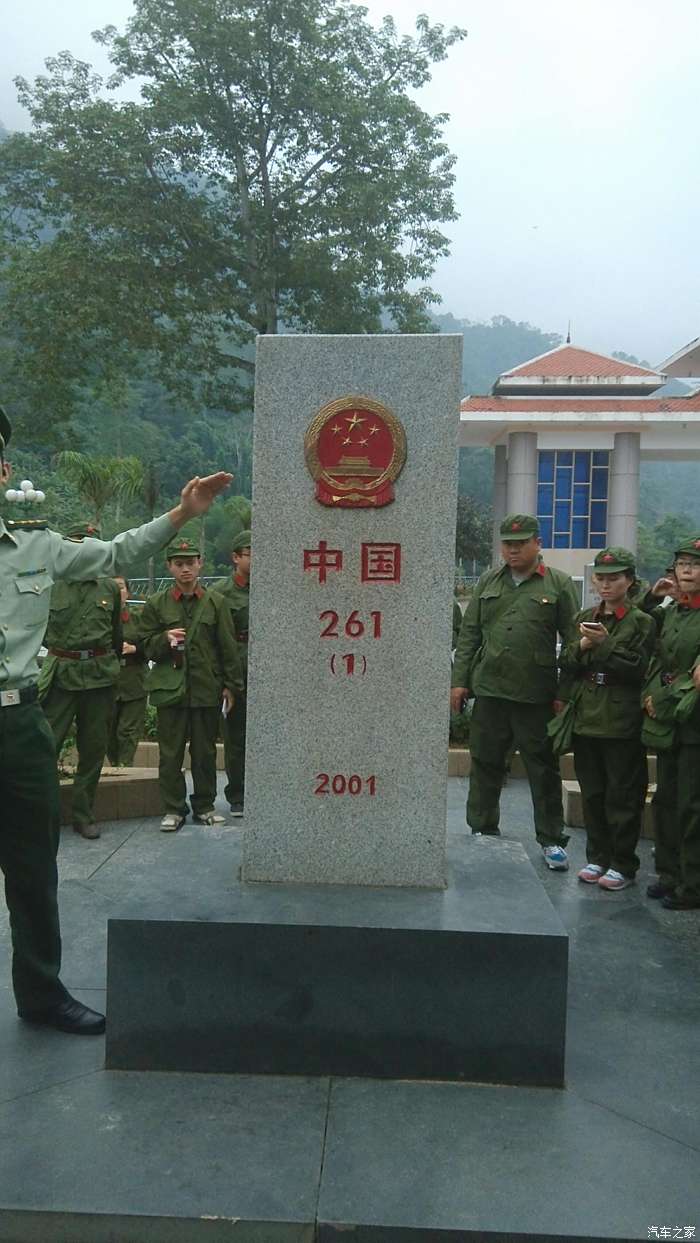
[603,669]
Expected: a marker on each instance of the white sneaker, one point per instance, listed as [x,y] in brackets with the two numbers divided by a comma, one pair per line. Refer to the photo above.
[209,817]
[556,858]
[171,823]
[591,874]
[615,880]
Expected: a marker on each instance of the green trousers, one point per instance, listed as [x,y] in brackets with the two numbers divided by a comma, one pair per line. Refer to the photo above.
[612,775]
[176,727]
[29,837]
[497,724]
[676,805]
[91,710]
[126,730]
[234,750]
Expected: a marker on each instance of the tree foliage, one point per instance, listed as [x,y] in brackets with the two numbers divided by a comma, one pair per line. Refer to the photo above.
[474,531]
[276,170]
[99,480]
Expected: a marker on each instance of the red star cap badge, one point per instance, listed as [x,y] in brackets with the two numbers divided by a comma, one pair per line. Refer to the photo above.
[515,526]
[608,557]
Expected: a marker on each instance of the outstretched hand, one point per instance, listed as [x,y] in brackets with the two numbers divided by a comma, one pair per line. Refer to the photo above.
[197,496]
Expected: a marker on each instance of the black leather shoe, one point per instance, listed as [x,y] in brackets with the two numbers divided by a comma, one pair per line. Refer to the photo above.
[68,1015]
[657,890]
[680,902]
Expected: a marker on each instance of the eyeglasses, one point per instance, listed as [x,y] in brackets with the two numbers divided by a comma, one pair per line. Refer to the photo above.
[692,563]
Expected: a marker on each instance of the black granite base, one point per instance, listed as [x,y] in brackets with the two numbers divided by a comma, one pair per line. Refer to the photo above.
[467,984]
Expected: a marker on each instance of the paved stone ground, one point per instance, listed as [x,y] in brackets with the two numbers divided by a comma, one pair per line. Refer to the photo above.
[613,1154]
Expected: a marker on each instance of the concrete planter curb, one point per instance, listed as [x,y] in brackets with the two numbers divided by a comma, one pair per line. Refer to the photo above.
[122,794]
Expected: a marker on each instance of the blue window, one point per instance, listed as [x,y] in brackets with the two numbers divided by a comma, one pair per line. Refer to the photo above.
[545,499]
[579,533]
[599,485]
[599,517]
[563,485]
[546,466]
[582,467]
[546,532]
[562,516]
[572,494]
[581,501]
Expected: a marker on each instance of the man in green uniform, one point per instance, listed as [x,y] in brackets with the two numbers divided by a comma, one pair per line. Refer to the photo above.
[236,592]
[506,657]
[676,802]
[76,684]
[603,669]
[31,558]
[187,631]
[129,713]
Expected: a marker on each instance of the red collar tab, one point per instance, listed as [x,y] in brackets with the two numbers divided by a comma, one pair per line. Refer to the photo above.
[180,595]
[541,569]
[240,582]
[125,615]
[621,611]
[690,602]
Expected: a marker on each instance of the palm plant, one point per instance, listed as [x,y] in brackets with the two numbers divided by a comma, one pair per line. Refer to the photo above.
[99,480]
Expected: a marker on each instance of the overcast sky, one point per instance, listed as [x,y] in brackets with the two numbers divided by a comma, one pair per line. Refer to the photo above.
[575,125]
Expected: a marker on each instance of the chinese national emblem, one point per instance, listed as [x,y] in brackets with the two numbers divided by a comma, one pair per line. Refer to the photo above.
[355,447]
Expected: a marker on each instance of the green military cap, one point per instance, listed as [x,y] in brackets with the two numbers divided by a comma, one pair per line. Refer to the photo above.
[614,561]
[689,547]
[5,428]
[519,526]
[182,546]
[84,530]
[241,541]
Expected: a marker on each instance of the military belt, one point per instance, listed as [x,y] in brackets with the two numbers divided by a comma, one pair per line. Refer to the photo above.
[600,679]
[10,699]
[86,653]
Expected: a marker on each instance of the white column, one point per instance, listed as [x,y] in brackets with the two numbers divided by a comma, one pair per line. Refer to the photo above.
[500,485]
[623,492]
[521,488]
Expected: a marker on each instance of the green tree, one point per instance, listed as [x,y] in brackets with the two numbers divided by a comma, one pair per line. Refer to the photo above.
[473,532]
[99,480]
[278,170]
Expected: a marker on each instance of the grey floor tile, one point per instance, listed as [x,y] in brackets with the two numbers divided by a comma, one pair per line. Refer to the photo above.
[521,1161]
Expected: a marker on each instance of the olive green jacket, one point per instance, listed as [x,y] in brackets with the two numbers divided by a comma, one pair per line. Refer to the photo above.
[456,622]
[82,616]
[238,600]
[677,654]
[131,683]
[508,639]
[211,660]
[609,711]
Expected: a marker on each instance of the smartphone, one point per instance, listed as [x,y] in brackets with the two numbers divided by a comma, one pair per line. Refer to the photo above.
[591,625]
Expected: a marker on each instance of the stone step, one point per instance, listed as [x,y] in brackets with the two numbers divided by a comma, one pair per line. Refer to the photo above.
[122,794]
